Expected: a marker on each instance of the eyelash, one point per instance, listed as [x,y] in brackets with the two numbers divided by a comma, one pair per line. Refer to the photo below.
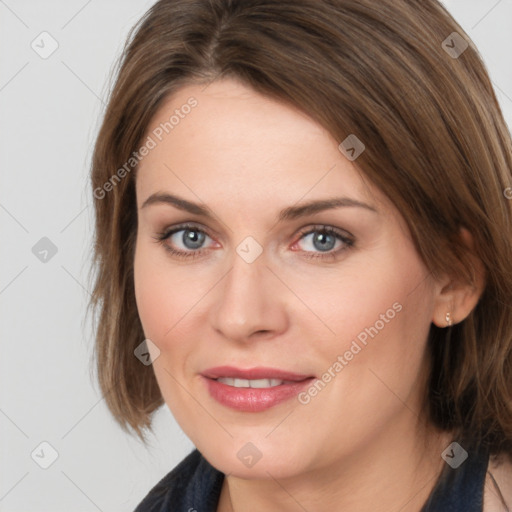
[328,230]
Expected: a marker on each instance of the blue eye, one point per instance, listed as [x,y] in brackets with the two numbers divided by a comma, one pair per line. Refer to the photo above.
[323,239]
[192,239]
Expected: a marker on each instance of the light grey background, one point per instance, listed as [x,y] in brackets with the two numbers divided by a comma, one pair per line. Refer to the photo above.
[49,114]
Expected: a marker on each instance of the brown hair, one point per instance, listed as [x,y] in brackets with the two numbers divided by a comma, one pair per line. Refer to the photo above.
[436,145]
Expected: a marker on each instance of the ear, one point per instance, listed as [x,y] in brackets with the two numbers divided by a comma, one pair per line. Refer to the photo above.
[457,298]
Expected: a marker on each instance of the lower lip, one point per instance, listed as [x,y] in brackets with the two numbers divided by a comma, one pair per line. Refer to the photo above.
[254,399]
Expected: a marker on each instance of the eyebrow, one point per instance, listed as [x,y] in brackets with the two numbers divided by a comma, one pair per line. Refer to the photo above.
[289,213]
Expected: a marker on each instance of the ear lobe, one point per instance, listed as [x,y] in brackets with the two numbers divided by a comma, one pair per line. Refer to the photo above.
[456,299]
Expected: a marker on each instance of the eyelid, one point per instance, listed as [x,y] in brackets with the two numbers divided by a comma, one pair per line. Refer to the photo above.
[325,228]
[192,226]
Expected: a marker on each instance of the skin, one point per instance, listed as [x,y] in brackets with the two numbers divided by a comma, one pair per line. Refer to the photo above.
[247,157]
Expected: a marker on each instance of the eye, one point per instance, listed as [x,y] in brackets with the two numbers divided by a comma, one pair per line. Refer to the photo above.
[188,238]
[324,239]
[186,241]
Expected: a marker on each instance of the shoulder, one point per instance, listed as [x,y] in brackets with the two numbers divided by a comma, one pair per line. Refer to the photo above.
[193,480]
[498,485]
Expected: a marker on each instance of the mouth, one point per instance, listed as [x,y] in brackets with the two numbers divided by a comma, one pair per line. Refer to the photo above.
[255,389]
[253,383]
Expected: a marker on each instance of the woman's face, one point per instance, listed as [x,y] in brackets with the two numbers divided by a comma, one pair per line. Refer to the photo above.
[261,284]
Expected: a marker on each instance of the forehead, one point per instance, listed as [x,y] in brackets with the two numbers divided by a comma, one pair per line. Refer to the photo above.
[226,139]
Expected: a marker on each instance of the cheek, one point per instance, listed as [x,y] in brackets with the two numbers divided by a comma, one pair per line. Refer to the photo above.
[148,295]
[366,299]
[158,311]
[372,365]
[164,293]
[382,328]
[374,317]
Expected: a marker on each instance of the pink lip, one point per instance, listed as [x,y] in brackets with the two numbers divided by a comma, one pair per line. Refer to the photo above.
[253,399]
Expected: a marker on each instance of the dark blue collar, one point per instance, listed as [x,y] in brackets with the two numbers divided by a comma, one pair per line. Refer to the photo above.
[194,484]
[460,489]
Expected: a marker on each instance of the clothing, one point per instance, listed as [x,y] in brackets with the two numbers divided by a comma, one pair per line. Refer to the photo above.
[460,489]
[194,485]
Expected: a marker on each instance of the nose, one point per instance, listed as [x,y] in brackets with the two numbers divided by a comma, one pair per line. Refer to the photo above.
[249,302]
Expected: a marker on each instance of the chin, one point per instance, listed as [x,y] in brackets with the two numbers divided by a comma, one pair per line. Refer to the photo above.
[253,460]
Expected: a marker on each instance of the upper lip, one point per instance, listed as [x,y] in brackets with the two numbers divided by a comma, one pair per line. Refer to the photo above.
[253,373]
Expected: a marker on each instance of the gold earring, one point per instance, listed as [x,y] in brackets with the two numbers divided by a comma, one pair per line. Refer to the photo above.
[448,319]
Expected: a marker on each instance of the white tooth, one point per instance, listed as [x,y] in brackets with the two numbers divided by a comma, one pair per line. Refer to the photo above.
[227,380]
[260,383]
[255,383]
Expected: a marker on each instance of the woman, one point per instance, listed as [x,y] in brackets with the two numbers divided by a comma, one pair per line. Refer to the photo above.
[303,245]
